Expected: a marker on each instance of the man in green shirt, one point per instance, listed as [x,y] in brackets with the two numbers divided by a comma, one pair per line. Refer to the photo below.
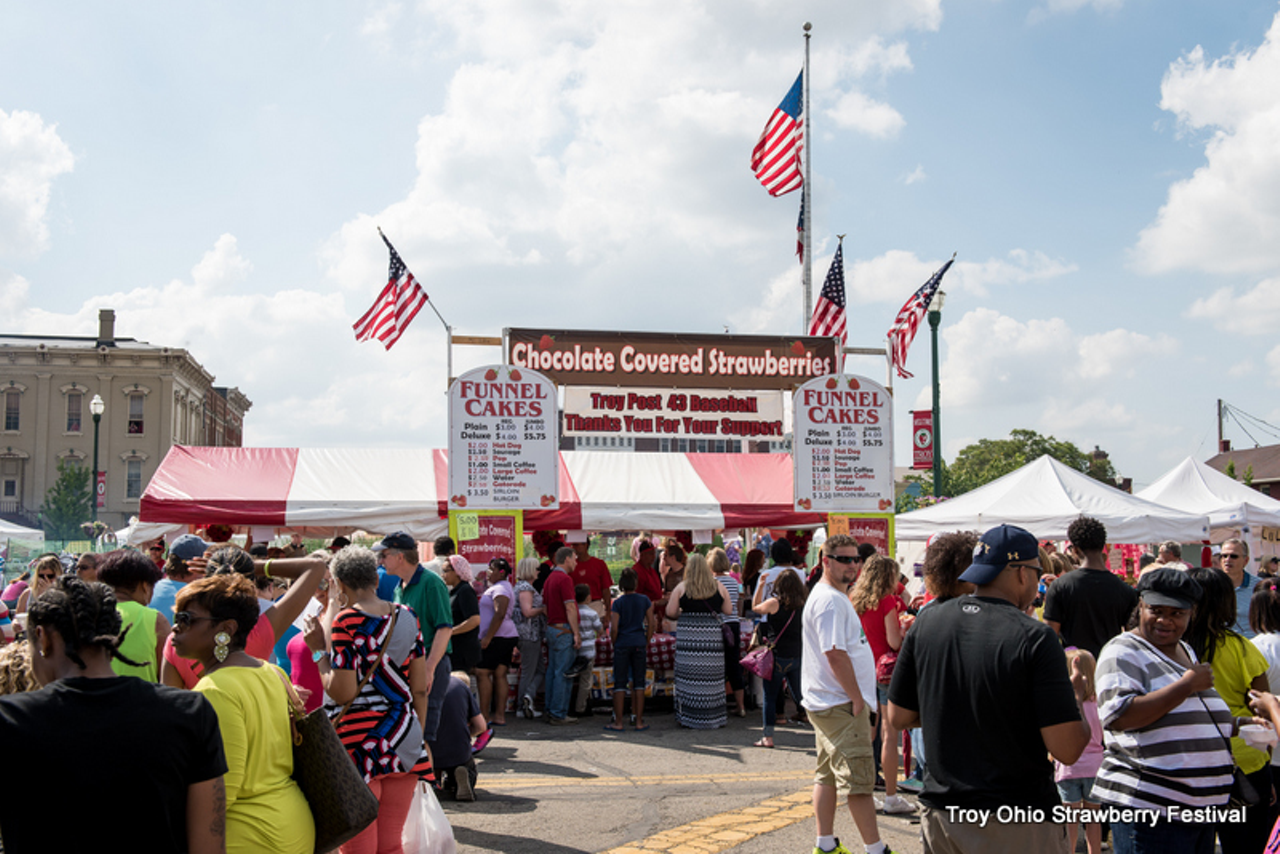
[427,595]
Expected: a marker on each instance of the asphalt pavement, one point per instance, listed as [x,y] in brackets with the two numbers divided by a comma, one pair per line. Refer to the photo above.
[556,790]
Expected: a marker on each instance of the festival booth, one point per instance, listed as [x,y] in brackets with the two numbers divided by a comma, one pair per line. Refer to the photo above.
[1045,497]
[10,531]
[339,490]
[1234,510]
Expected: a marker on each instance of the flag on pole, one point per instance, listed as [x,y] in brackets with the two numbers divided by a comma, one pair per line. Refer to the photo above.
[903,331]
[776,158]
[397,305]
[829,314]
[800,231]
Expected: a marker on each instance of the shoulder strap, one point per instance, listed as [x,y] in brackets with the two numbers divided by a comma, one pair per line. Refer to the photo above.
[297,710]
[395,612]
[771,644]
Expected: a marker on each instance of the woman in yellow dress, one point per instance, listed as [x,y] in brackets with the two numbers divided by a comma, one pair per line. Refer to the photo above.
[266,811]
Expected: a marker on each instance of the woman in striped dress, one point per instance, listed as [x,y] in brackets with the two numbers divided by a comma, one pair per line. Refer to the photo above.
[720,564]
[372,663]
[697,604]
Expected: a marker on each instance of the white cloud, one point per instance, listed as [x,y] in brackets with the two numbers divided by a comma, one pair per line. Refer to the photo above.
[1253,312]
[31,156]
[915,176]
[1225,218]
[1070,7]
[1119,351]
[1241,369]
[1273,365]
[856,111]
[893,276]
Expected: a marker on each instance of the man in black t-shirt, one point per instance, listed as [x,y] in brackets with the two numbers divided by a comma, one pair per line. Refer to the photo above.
[989,687]
[1090,605]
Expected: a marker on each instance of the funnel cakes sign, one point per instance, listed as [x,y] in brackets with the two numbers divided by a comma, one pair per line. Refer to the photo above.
[843,446]
[662,360]
[503,447]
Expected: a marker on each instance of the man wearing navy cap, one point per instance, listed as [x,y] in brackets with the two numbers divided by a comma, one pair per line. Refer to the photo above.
[990,689]
[427,595]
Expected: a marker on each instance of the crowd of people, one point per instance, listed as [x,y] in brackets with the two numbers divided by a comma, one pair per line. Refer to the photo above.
[1041,691]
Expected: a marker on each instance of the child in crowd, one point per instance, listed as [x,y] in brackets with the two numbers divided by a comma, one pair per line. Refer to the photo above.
[1075,782]
[630,628]
[589,627]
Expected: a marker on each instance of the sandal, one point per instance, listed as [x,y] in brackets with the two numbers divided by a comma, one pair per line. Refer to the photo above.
[761,743]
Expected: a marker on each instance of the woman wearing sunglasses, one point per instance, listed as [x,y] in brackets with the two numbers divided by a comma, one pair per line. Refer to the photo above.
[48,568]
[266,811]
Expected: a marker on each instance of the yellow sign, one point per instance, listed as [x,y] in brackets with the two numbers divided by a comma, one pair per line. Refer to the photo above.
[468,526]
[874,528]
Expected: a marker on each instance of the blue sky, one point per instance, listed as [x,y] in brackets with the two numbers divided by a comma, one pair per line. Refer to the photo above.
[1107,171]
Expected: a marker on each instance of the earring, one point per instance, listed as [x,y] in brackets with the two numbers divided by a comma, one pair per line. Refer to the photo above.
[222,641]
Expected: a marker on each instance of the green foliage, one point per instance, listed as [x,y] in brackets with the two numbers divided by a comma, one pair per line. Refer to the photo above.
[1230,470]
[924,496]
[989,459]
[1248,475]
[67,504]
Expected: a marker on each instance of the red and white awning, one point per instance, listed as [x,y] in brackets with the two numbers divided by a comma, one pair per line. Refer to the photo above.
[384,490]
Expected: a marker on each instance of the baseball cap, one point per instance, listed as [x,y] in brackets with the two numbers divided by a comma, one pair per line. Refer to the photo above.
[188,546]
[1170,587]
[338,544]
[399,541]
[644,546]
[996,549]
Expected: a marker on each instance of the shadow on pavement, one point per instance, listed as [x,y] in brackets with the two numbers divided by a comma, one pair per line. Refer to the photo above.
[510,844]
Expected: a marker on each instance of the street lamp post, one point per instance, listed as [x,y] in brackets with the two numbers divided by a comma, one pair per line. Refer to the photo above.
[935,318]
[96,406]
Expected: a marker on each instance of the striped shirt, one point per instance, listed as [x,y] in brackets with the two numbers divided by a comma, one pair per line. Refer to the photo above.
[1180,760]
[734,589]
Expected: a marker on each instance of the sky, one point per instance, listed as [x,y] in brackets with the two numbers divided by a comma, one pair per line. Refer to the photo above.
[1106,171]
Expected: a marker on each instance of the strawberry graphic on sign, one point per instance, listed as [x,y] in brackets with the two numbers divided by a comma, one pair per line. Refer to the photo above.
[514,375]
[545,342]
[491,375]
[798,348]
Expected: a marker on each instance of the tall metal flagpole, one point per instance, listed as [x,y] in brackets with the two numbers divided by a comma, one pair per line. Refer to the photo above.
[808,199]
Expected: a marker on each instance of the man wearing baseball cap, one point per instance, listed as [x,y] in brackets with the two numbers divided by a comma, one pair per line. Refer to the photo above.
[424,592]
[990,689]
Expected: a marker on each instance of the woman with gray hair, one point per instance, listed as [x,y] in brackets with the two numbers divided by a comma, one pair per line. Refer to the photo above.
[530,617]
[373,666]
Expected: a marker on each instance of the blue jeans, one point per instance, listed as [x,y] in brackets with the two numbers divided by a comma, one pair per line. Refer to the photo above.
[1167,837]
[784,670]
[560,654]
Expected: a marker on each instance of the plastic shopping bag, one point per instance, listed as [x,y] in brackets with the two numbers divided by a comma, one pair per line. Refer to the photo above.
[427,830]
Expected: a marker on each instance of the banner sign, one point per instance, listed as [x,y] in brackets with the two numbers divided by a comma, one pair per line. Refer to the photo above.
[483,535]
[842,450]
[874,528]
[663,360]
[100,490]
[503,448]
[597,410]
[922,439]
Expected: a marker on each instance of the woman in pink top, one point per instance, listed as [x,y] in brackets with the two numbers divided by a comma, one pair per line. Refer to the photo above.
[498,636]
[1075,782]
[307,573]
[303,669]
[874,597]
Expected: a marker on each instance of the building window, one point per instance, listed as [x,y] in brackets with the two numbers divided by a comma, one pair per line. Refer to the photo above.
[135,413]
[75,401]
[133,479]
[12,408]
[10,488]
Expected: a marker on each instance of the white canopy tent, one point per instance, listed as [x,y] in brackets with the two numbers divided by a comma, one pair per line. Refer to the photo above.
[1233,508]
[1044,497]
[10,531]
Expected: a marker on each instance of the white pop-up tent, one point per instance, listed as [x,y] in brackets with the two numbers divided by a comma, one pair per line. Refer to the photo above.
[1044,497]
[1231,506]
[10,531]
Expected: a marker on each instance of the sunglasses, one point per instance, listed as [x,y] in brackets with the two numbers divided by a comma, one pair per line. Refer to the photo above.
[44,577]
[184,619]
[1226,556]
[845,559]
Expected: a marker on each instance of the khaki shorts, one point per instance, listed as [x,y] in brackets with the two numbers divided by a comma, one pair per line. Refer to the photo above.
[845,759]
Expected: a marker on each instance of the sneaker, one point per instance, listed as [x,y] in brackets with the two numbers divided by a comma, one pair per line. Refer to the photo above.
[463,779]
[482,740]
[897,805]
[565,721]
[526,706]
[911,784]
[839,849]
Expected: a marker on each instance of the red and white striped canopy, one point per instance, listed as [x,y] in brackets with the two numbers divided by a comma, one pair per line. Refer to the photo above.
[384,490]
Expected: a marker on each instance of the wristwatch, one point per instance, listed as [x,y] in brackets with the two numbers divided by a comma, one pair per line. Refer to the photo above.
[319,654]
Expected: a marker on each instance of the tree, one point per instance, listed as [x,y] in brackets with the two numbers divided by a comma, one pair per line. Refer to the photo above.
[1230,470]
[1248,475]
[988,459]
[67,503]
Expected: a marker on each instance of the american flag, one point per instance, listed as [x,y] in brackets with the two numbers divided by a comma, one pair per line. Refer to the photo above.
[829,314]
[397,305]
[905,324]
[776,157]
[800,232]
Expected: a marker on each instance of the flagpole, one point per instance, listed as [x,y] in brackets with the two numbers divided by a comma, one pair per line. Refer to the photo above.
[808,199]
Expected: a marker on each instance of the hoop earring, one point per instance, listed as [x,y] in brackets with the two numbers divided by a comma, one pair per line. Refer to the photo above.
[222,641]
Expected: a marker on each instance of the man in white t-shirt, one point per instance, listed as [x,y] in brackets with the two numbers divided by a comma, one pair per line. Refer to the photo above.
[838,673]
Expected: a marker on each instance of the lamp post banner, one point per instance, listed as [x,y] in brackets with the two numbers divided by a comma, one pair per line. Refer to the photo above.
[504,451]
[100,491]
[922,439]
[843,445]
